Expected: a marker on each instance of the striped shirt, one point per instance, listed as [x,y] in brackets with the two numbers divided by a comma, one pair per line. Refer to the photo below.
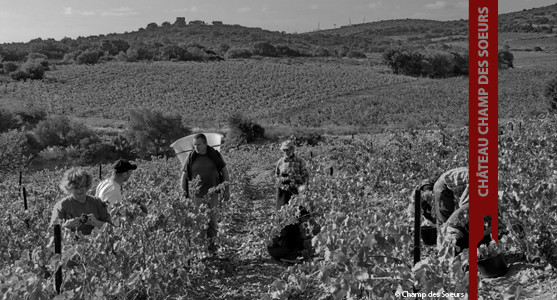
[457,181]
[294,168]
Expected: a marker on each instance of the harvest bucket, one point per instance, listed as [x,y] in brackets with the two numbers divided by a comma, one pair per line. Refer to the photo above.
[429,235]
[184,146]
[494,266]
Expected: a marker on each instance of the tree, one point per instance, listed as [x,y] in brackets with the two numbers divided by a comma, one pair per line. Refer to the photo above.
[61,131]
[152,26]
[142,52]
[10,67]
[108,47]
[12,152]
[442,65]
[180,22]
[170,52]
[34,68]
[90,57]
[50,48]
[152,132]
[403,61]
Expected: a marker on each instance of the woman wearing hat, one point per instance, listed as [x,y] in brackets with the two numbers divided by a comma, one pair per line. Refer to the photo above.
[79,211]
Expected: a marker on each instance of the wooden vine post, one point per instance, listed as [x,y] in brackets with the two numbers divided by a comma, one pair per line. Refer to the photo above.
[417,225]
[417,221]
[25,198]
[58,250]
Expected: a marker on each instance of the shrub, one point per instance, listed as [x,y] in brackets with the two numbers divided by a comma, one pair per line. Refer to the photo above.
[94,150]
[19,75]
[122,56]
[243,130]
[342,51]
[550,93]
[90,57]
[61,131]
[264,49]
[222,48]
[131,55]
[151,132]
[301,138]
[403,61]
[26,117]
[7,120]
[505,59]
[173,52]
[70,57]
[34,69]
[284,50]
[195,53]
[142,52]
[322,52]
[460,64]
[10,67]
[441,64]
[41,58]
[31,115]
[238,53]
[438,64]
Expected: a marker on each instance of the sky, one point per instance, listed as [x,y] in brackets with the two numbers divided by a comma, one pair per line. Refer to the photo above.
[23,20]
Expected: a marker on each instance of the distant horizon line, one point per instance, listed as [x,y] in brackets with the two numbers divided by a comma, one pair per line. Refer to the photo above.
[226,24]
[350,24]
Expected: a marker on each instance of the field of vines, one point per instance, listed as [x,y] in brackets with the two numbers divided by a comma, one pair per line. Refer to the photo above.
[198,91]
[297,92]
[358,193]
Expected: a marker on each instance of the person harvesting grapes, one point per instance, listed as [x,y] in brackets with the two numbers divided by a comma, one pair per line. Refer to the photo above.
[207,164]
[79,211]
[110,189]
[444,199]
[291,174]
[445,203]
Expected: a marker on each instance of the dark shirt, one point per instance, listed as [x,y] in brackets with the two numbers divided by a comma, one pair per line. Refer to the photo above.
[69,208]
[204,167]
[213,154]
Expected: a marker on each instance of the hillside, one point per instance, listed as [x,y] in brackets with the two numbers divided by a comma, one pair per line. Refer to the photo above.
[365,38]
[542,19]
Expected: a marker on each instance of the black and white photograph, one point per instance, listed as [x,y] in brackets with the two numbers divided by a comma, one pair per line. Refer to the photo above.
[276,150]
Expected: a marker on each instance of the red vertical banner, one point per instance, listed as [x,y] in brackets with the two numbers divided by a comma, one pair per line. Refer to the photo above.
[483,126]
